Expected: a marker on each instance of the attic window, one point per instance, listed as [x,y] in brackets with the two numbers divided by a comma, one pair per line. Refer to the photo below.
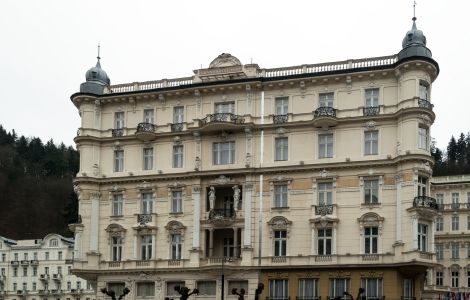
[54,243]
[93,74]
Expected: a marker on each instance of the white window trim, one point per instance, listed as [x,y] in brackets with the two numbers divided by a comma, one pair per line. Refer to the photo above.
[380,188]
[317,148]
[370,219]
[379,100]
[275,104]
[364,142]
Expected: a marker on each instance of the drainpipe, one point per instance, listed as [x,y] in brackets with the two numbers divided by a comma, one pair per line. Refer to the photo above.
[261,157]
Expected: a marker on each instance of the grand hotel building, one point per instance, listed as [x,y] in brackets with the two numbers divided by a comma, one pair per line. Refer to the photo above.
[311,179]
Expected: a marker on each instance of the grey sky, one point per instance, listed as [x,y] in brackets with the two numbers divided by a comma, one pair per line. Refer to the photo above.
[47,46]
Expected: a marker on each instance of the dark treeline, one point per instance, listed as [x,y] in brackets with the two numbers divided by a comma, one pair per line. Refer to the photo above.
[36,191]
[456,158]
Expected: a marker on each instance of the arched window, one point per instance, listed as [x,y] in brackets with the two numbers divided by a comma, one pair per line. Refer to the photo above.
[54,243]
[370,227]
[175,238]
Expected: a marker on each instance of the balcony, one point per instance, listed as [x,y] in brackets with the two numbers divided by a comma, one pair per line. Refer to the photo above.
[324,117]
[423,103]
[43,292]
[221,121]
[143,219]
[69,261]
[222,216]
[280,119]
[25,262]
[145,132]
[76,291]
[57,277]
[453,206]
[177,127]
[34,262]
[44,277]
[56,292]
[425,202]
[307,298]
[324,209]
[117,132]
[15,263]
[371,111]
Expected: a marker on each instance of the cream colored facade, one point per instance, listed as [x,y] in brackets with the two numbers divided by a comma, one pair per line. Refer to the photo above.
[311,177]
[40,269]
[452,237]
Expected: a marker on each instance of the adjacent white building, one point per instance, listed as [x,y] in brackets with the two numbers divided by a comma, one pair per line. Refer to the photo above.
[40,269]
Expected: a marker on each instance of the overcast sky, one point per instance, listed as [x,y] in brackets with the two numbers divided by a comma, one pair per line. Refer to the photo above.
[47,46]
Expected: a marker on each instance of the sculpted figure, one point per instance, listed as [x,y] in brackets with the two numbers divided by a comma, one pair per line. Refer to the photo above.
[211,197]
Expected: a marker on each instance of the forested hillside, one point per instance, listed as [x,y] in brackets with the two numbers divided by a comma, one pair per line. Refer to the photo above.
[455,160]
[36,191]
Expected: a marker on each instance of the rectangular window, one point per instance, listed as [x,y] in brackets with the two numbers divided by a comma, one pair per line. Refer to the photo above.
[455,278]
[281,146]
[371,235]
[46,270]
[325,145]
[371,191]
[148,158]
[308,289]
[116,248]
[117,204]
[439,278]
[16,256]
[35,271]
[439,251]
[326,99]
[372,97]
[223,153]
[25,255]
[422,237]
[408,288]
[59,255]
[176,201]
[178,156]
[176,246]
[372,287]
[371,142]
[338,286]
[455,222]
[423,91]
[178,114]
[4,257]
[468,250]
[147,203]
[455,250]
[439,224]
[79,285]
[455,200]
[278,289]
[46,256]
[225,107]
[146,247]
[207,288]
[69,286]
[440,201]
[229,247]
[59,270]
[468,279]
[324,241]
[280,195]
[422,186]
[145,289]
[468,222]
[325,193]
[118,160]
[148,116]
[25,272]
[423,138]
[25,286]
[468,199]
[119,120]
[280,242]
[282,106]
[170,287]
[34,286]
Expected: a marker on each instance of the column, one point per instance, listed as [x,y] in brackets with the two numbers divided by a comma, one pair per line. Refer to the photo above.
[414,231]
[136,242]
[235,241]
[77,246]
[431,237]
[398,220]
[247,212]
[211,241]
[196,216]
[94,221]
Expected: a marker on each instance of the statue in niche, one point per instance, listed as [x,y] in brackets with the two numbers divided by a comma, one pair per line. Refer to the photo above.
[236,196]
[211,197]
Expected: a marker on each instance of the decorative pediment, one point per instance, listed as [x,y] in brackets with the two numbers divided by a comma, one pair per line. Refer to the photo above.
[279,223]
[115,229]
[222,180]
[370,219]
[175,227]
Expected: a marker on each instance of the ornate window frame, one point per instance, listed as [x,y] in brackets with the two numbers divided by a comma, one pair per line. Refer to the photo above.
[370,219]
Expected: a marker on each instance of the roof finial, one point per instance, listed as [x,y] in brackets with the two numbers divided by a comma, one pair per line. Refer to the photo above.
[414,10]
[98,51]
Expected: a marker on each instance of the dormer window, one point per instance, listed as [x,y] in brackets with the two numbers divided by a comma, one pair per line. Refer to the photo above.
[54,243]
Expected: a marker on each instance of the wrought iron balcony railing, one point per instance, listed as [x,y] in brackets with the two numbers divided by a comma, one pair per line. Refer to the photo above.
[223,117]
[425,201]
[279,119]
[25,262]
[221,213]
[324,209]
[308,298]
[324,111]
[371,110]
[145,127]
[176,127]
[142,219]
[34,262]
[117,132]
[425,104]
